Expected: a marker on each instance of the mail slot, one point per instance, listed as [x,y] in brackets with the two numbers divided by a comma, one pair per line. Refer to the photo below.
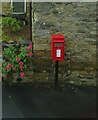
[57,47]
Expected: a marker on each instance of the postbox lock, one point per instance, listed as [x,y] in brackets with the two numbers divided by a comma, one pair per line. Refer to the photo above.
[57,47]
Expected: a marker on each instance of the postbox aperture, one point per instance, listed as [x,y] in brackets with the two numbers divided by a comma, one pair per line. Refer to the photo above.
[58,44]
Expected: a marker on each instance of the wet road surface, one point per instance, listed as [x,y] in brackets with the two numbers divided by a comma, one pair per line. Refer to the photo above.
[23,101]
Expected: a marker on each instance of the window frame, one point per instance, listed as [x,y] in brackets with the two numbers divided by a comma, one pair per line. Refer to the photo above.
[18,12]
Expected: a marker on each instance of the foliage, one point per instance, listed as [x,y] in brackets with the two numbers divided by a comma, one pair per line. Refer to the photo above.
[9,24]
[16,60]
[13,23]
[5,37]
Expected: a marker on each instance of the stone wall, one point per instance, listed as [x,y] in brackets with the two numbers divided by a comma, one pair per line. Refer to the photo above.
[77,22]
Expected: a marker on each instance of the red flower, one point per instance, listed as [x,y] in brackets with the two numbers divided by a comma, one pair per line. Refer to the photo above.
[13,69]
[21,67]
[30,54]
[30,46]
[17,59]
[22,74]
[9,65]
[20,63]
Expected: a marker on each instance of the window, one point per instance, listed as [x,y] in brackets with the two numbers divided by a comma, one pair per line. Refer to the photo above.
[18,7]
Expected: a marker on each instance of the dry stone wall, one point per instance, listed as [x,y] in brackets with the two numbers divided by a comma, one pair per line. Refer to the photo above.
[77,22]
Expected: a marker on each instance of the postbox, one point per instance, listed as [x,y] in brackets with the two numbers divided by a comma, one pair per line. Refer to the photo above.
[57,47]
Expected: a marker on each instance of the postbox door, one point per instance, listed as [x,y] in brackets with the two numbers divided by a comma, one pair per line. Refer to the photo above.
[58,51]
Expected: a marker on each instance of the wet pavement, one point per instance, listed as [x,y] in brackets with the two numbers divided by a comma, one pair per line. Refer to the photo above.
[25,101]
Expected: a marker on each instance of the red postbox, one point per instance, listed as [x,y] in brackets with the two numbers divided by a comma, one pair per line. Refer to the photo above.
[57,47]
